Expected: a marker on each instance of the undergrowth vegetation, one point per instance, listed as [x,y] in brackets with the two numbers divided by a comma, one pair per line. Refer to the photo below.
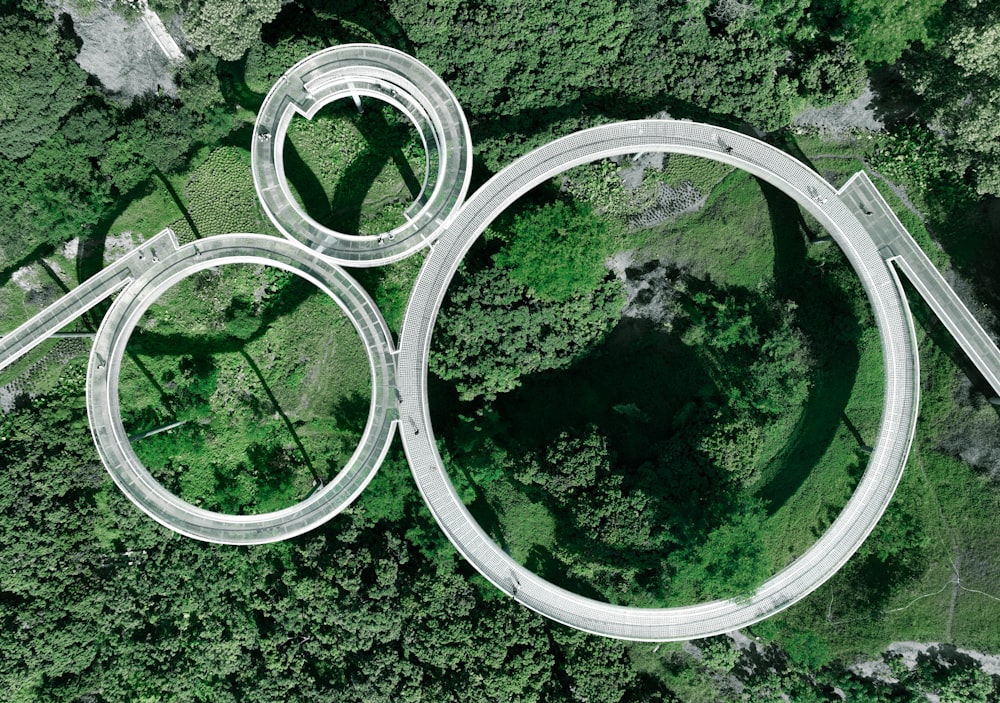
[268,377]
[355,172]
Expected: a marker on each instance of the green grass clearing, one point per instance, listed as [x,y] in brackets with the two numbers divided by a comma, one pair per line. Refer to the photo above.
[269,374]
[729,240]
[355,173]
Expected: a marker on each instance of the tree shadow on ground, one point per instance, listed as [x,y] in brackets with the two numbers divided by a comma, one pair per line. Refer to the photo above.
[942,339]
[351,412]
[342,210]
[312,195]
[892,100]
[233,85]
[152,343]
[289,427]
[638,365]
[635,386]
[36,255]
[168,186]
[832,332]
[90,253]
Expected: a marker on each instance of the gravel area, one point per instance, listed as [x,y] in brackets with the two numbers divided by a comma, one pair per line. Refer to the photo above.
[120,52]
[836,119]
[945,653]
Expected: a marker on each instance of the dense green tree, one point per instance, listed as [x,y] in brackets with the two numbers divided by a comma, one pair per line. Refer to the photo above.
[722,63]
[881,31]
[958,82]
[557,251]
[967,685]
[570,467]
[598,668]
[51,196]
[266,62]
[732,562]
[40,83]
[97,602]
[718,652]
[502,57]
[228,28]
[488,307]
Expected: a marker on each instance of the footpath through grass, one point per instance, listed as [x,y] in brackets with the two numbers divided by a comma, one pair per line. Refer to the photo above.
[930,571]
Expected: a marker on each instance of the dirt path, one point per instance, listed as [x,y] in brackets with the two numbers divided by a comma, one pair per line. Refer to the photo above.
[948,541]
[310,386]
[160,34]
[955,583]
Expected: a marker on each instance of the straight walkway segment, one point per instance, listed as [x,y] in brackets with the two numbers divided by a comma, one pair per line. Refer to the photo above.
[897,246]
[84,297]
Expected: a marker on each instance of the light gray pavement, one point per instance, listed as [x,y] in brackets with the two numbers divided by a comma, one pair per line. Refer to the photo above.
[113,443]
[898,246]
[860,514]
[351,71]
[105,283]
[160,34]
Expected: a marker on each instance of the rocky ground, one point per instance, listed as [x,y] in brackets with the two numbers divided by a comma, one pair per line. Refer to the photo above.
[119,51]
[859,114]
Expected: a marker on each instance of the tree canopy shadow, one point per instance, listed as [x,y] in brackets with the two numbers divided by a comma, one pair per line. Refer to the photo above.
[342,210]
[351,412]
[832,332]
[312,195]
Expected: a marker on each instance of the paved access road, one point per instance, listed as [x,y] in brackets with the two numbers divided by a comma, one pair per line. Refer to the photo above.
[850,528]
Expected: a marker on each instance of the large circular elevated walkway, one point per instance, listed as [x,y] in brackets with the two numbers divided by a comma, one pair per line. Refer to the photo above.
[853,524]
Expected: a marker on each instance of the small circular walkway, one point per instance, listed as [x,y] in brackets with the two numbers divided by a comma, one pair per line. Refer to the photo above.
[113,443]
[348,72]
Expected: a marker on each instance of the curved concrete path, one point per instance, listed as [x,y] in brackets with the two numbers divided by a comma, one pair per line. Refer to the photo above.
[113,443]
[351,71]
[853,524]
[868,234]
